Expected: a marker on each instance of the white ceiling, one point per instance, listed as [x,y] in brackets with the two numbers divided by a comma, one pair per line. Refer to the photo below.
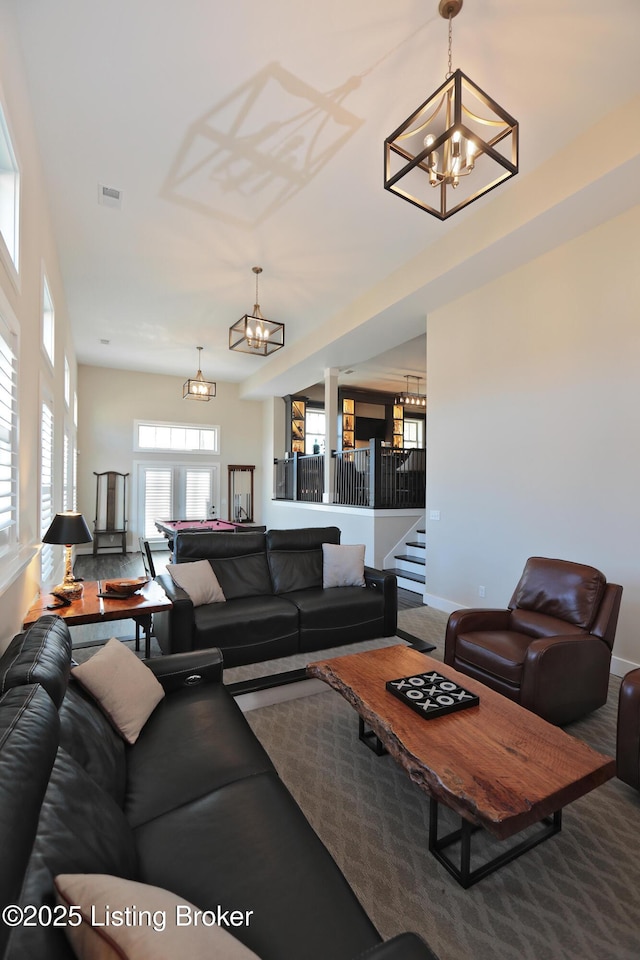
[251,133]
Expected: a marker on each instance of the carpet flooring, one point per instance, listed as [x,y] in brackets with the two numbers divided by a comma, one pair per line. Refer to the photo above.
[574,897]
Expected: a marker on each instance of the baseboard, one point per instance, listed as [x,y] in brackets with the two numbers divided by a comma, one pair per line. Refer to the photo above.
[619,667]
[439,603]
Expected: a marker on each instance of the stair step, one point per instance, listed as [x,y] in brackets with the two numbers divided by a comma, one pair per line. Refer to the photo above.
[406,574]
[416,543]
[409,559]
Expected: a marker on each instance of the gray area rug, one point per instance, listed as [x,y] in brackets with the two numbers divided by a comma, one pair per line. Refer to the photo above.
[575,897]
[87,641]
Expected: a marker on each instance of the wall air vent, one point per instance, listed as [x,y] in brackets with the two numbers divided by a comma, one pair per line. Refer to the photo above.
[109,196]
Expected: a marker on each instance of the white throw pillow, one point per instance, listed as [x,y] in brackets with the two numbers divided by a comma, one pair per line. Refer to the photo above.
[149,927]
[125,689]
[198,580]
[342,565]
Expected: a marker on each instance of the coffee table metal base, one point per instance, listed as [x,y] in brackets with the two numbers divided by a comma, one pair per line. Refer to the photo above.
[370,739]
[465,876]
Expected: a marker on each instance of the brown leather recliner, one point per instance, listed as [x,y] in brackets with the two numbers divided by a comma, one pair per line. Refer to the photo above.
[628,745]
[550,651]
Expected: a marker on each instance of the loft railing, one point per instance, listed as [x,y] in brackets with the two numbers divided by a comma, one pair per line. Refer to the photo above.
[373,476]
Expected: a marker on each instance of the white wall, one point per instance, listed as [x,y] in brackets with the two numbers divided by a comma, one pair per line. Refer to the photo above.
[24,301]
[110,401]
[533,425]
[379,530]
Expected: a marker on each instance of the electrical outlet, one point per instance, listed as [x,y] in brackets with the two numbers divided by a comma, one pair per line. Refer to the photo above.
[481,591]
[434,514]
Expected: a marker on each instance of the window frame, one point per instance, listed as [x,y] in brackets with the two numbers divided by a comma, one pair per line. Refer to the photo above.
[47,556]
[11,259]
[48,342]
[213,429]
[9,544]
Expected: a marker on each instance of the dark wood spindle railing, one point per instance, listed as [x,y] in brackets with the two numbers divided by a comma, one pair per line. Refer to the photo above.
[373,476]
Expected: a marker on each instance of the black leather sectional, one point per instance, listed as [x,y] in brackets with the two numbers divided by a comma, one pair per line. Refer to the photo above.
[195,807]
[275,603]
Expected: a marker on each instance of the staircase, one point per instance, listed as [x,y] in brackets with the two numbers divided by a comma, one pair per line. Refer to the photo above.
[410,562]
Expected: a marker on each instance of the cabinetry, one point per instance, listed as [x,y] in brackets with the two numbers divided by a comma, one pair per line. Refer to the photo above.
[296,413]
[348,423]
[398,425]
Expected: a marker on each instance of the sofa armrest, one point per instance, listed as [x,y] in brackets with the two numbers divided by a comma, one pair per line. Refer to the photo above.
[406,946]
[628,741]
[174,628]
[179,670]
[387,584]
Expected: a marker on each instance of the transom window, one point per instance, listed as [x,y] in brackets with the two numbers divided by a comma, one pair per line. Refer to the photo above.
[67,383]
[176,437]
[9,193]
[48,321]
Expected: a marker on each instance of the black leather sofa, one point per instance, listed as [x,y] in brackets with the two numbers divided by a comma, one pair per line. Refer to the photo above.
[275,603]
[195,807]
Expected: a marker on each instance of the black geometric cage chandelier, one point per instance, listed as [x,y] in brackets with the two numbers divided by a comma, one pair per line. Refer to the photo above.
[456,147]
[253,333]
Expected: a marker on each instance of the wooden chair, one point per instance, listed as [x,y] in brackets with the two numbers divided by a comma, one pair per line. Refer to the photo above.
[147,559]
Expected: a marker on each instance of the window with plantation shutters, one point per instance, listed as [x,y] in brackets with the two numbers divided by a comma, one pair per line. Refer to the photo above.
[171,491]
[198,494]
[46,489]
[8,441]
[158,497]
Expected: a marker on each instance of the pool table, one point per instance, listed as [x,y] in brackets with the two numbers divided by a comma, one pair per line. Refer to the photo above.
[170,527]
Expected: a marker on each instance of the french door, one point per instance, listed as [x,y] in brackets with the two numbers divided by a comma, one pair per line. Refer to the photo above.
[175,491]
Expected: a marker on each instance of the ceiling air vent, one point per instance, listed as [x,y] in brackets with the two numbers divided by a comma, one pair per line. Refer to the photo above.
[109,196]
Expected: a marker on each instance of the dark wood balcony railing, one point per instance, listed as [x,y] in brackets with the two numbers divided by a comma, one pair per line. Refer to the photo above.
[373,476]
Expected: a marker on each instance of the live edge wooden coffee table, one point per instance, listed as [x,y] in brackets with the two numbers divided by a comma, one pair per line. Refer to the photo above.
[496,764]
[92,608]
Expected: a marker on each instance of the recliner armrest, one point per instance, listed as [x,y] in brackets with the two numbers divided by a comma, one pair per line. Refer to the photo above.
[468,620]
[180,670]
[406,946]
[560,672]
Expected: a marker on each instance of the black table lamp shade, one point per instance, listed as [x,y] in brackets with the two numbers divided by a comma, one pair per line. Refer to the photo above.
[68,528]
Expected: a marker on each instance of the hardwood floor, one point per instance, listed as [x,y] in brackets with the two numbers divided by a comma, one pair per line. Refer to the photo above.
[116,565]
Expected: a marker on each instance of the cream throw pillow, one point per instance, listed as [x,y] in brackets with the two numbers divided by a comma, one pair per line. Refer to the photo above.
[123,686]
[198,580]
[153,933]
[342,565]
